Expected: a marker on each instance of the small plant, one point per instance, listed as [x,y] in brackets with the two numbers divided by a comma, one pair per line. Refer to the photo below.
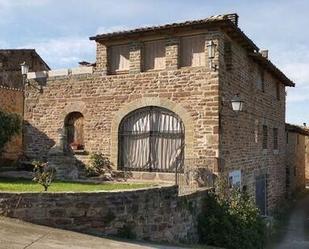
[99,165]
[43,174]
[127,231]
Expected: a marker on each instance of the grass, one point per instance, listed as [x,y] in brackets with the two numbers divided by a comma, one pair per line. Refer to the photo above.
[23,185]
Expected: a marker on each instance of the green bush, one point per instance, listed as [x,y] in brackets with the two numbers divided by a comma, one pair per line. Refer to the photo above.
[231,220]
[99,165]
[10,125]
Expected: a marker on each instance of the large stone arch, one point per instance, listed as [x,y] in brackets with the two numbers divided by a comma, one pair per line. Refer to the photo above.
[151,101]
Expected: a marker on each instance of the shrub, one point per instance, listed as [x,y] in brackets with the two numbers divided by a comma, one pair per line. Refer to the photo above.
[231,220]
[43,174]
[99,165]
[10,125]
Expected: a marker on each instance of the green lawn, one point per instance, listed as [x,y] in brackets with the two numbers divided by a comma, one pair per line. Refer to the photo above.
[22,185]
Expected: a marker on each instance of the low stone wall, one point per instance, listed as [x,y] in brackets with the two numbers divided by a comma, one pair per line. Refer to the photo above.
[155,214]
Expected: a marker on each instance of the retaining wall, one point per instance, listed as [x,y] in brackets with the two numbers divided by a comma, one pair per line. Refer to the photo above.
[156,214]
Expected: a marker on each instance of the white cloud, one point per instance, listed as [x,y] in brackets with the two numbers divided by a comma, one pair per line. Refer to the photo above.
[65,51]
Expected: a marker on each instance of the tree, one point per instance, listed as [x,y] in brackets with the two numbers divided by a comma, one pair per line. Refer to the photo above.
[10,125]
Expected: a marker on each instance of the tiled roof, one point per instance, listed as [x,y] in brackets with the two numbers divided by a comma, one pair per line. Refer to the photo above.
[227,22]
[297,129]
[231,17]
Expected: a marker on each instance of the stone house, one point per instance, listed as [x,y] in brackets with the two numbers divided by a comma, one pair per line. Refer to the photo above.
[10,60]
[11,95]
[158,99]
[296,158]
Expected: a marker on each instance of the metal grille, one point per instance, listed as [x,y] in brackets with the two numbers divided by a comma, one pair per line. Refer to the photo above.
[152,135]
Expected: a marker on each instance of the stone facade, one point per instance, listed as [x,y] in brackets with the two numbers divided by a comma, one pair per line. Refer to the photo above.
[296,158]
[141,213]
[10,60]
[200,96]
[241,135]
[11,100]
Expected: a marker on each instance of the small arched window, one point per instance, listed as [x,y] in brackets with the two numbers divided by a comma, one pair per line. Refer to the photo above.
[151,139]
[74,130]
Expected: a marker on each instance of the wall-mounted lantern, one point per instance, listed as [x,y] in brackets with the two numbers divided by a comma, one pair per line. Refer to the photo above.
[211,50]
[24,68]
[237,103]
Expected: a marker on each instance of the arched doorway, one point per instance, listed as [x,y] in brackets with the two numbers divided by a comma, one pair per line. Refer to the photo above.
[74,130]
[151,139]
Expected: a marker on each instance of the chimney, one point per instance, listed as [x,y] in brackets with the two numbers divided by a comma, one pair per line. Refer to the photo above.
[264,53]
[233,17]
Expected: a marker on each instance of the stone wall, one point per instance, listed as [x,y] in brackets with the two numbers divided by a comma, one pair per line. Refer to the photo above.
[241,134]
[295,161]
[11,100]
[157,214]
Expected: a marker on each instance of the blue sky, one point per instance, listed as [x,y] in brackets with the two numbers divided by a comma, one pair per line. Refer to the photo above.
[59,30]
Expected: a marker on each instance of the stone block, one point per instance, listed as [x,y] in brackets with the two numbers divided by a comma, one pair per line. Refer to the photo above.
[58,72]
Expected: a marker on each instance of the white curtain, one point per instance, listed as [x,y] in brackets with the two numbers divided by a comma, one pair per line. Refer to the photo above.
[152,139]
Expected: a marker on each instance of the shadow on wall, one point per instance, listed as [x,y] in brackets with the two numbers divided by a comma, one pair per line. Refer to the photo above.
[35,142]
[38,146]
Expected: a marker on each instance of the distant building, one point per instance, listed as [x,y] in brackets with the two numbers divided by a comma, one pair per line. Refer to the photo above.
[10,60]
[160,100]
[11,95]
[297,152]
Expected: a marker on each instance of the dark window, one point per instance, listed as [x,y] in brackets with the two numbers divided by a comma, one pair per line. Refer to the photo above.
[278,88]
[118,58]
[265,136]
[192,51]
[151,139]
[228,59]
[263,80]
[74,130]
[260,82]
[154,55]
[287,137]
[275,135]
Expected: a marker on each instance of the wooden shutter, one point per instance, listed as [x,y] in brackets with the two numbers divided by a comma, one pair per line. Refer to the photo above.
[154,55]
[119,58]
[192,52]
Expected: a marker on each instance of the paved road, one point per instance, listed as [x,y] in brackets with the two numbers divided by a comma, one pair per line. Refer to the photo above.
[296,234]
[15,234]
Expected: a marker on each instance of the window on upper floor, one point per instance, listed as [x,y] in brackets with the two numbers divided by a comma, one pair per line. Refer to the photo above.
[265,137]
[278,90]
[192,51]
[260,81]
[228,55]
[275,137]
[118,58]
[154,55]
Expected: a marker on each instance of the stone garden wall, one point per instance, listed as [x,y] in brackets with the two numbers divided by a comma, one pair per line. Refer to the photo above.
[156,214]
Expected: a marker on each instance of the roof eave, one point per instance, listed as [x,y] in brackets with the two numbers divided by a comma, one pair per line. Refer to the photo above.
[267,64]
